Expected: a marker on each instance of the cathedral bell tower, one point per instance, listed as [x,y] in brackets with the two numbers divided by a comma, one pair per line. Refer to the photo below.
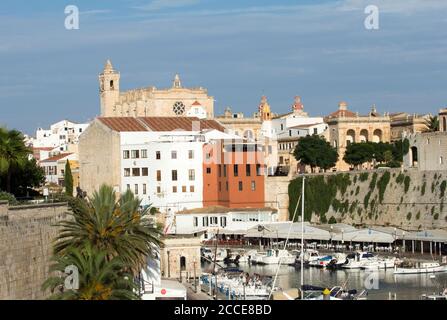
[109,89]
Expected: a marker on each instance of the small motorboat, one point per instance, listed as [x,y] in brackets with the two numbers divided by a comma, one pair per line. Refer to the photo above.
[322,262]
[275,256]
[358,259]
[380,263]
[435,296]
[420,267]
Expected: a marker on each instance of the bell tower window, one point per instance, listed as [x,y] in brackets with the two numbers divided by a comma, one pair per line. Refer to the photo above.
[111,85]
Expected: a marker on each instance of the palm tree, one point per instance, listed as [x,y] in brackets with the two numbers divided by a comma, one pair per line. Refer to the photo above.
[97,277]
[13,153]
[119,228]
[432,123]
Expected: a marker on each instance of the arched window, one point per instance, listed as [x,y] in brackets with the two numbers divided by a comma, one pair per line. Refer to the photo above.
[414,156]
[111,85]
[377,135]
[363,135]
[182,263]
[444,124]
[350,137]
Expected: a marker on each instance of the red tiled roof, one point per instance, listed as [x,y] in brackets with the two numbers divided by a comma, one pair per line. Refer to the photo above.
[342,113]
[182,123]
[56,157]
[123,124]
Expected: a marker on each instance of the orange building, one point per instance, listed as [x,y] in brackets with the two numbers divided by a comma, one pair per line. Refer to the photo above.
[233,175]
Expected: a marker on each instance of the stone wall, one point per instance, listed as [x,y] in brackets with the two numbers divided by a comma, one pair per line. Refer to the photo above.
[411,199]
[26,235]
[276,195]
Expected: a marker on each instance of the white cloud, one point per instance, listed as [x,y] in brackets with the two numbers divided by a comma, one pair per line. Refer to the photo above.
[156,5]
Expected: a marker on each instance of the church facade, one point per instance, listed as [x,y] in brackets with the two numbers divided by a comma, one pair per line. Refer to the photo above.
[176,101]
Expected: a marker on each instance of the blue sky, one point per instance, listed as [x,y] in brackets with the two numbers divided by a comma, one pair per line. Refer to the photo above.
[239,50]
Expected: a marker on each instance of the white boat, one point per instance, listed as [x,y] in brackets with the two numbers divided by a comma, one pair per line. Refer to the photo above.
[208,254]
[275,256]
[309,256]
[358,259]
[322,262]
[257,257]
[435,296]
[421,267]
[380,263]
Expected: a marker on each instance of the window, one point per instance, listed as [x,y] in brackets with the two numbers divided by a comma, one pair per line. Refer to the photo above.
[158,175]
[258,170]
[195,221]
[173,154]
[144,188]
[144,154]
[208,170]
[174,189]
[126,154]
[441,160]
[247,170]
[127,172]
[157,155]
[290,133]
[315,131]
[225,170]
[191,174]
[223,222]
[191,154]
[240,186]
[135,172]
[183,189]
[213,221]
[158,190]
[136,189]
[205,221]
[174,175]
[253,186]
[236,170]
[135,154]
[219,169]
[191,188]
[144,172]
[282,127]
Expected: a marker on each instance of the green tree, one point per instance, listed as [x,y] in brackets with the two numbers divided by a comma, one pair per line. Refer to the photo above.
[99,278]
[315,151]
[358,153]
[27,176]
[118,227]
[13,153]
[68,179]
[432,123]
[400,148]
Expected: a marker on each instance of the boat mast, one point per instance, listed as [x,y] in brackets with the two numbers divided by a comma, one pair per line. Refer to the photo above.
[302,239]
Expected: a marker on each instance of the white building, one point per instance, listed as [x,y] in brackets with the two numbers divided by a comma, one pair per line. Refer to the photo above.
[54,167]
[160,159]
[60,135]
[226,221]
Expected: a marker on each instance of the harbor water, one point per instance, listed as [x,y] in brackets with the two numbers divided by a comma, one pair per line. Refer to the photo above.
[379,284]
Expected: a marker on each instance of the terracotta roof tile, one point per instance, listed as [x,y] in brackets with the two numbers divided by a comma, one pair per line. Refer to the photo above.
[180,123]
[56,157]
[123,123]
[342,113]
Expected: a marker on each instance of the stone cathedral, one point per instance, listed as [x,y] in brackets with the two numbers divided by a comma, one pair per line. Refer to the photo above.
[152,102]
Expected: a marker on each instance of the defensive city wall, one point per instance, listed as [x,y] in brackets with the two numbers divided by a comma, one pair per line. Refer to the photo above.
[26,235]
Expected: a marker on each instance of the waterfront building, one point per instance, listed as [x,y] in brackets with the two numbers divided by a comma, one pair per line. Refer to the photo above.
[347,127]
[170,163]
[176,101]
[229,223]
